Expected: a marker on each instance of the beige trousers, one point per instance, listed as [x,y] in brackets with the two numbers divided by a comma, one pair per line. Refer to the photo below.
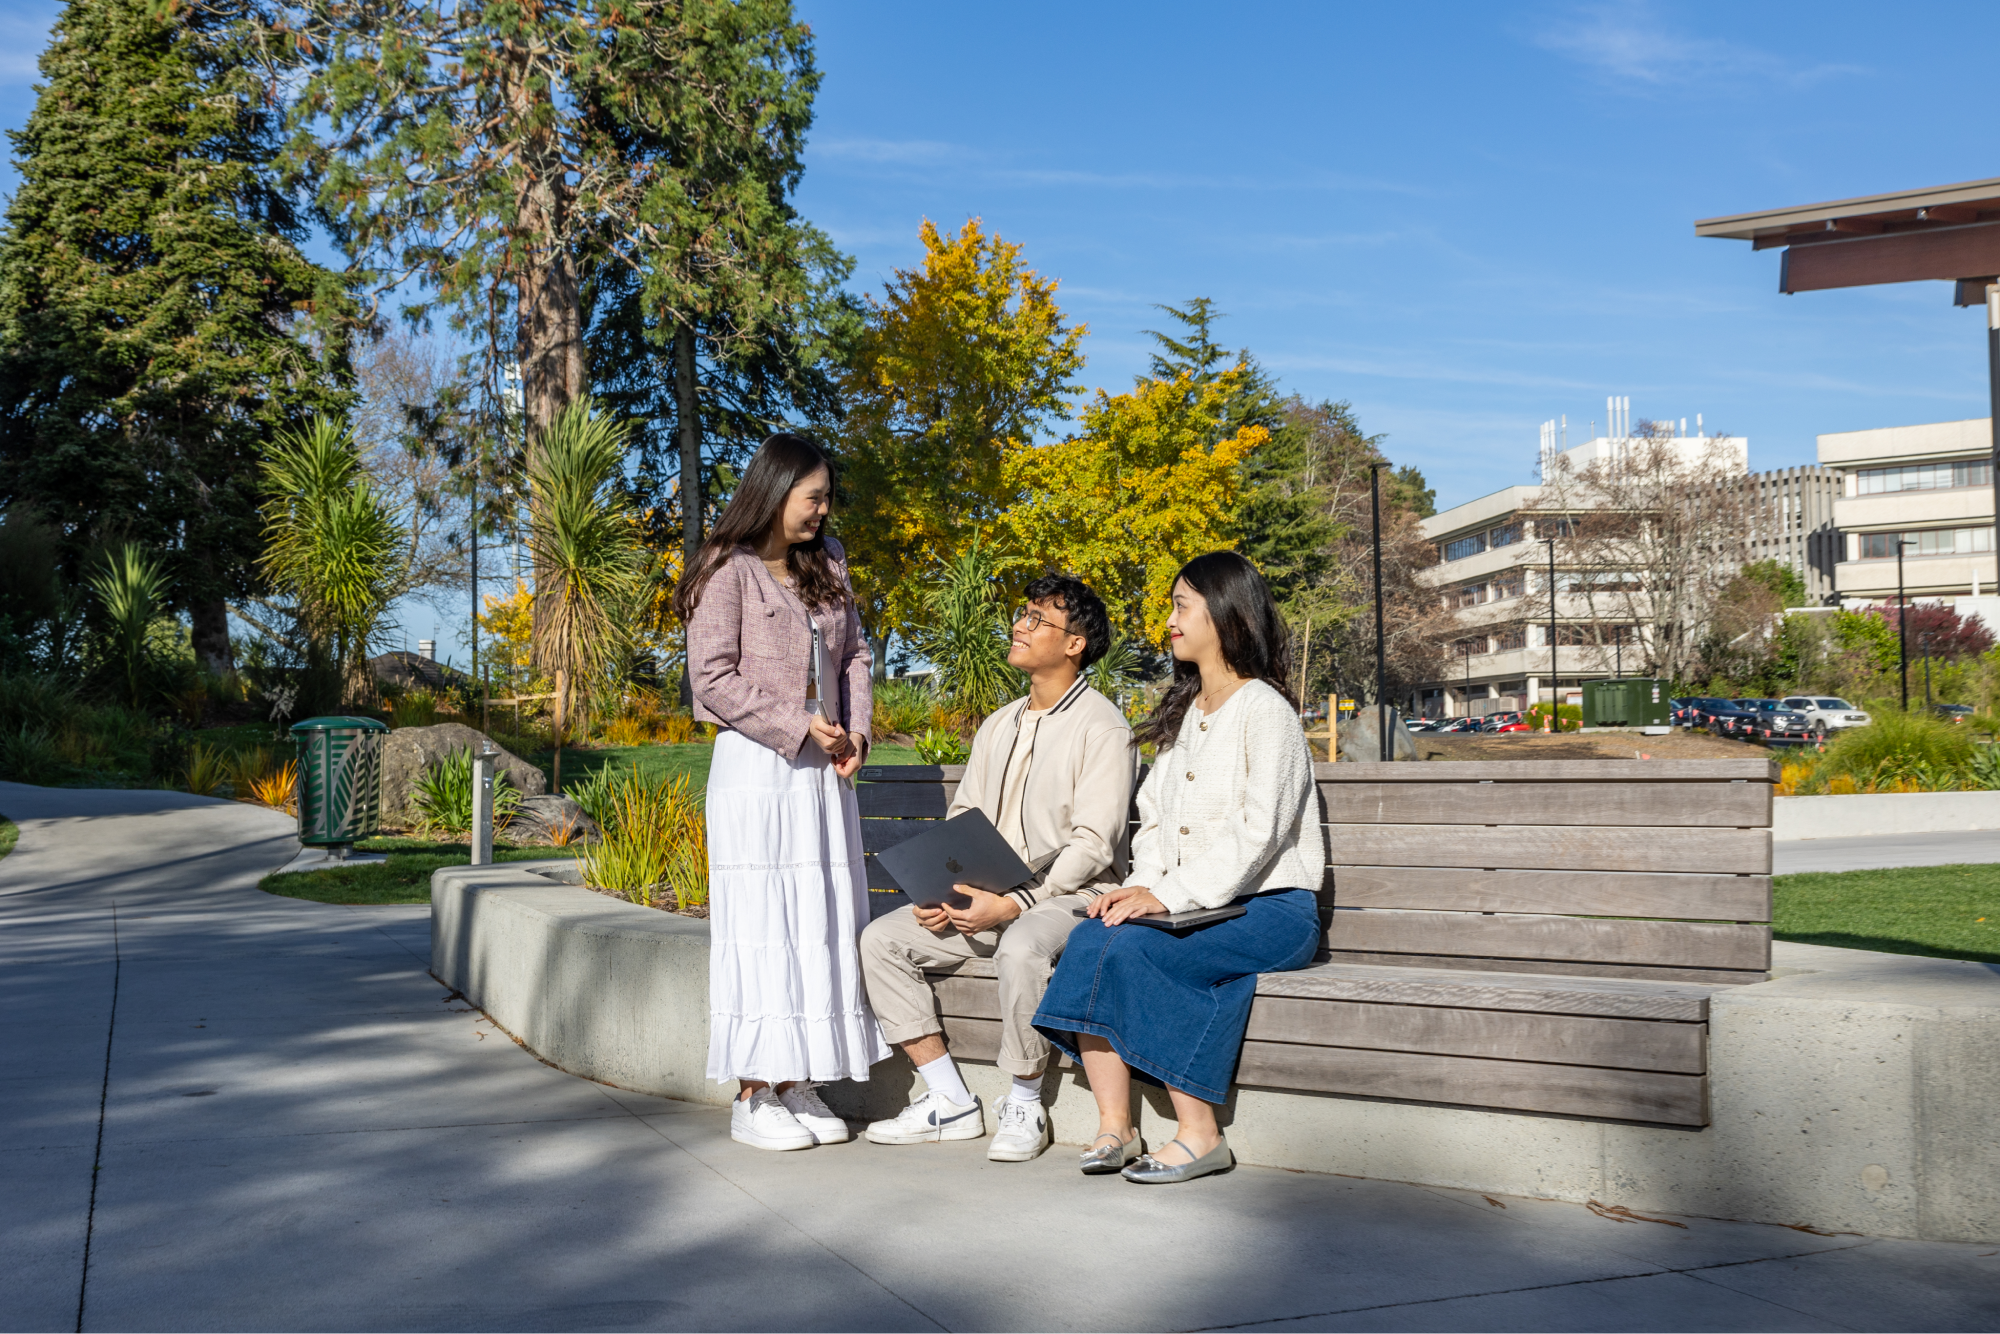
[895,951]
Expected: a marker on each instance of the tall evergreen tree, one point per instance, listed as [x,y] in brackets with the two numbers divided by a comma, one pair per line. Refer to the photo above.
[507,156]
[159,320]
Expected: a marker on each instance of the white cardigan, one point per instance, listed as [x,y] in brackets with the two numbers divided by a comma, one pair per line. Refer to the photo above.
[1228,809]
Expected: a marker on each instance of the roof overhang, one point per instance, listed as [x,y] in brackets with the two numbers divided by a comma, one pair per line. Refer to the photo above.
[1949,232]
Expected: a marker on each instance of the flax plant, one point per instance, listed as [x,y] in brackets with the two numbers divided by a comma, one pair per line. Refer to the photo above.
[130,588]
[589,561]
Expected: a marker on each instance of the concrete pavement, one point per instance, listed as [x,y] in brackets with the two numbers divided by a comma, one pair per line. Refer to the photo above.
[1873,851]
[293,1126]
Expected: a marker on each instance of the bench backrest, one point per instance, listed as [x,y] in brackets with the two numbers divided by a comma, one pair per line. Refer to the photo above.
[1609,868]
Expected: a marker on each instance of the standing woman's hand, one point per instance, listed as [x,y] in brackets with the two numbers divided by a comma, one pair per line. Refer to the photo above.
[857,748]
[828,735]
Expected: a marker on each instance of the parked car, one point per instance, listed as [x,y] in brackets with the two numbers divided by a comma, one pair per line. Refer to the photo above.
[1722,717]
[1506,722]
[1677,708]
[1467,724]
[1424,724]
[1775,721]
[1953,713]
[1825,714]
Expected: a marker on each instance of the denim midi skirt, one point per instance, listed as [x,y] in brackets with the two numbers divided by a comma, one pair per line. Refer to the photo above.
[1174,1006]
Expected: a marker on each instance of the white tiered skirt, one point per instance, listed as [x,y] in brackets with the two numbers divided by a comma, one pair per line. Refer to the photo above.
[788,897]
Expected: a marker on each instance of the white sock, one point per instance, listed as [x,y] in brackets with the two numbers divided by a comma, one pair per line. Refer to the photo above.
[942,1076]
[1028,1091]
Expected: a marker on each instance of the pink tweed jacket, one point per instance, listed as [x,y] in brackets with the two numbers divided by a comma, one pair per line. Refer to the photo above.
[748,643]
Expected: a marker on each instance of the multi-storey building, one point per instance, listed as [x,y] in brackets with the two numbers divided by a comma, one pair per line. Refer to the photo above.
[1929,488]
[1492,557]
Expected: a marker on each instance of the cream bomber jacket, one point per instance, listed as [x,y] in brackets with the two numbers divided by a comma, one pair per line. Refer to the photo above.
[1228,809]
[1078,794]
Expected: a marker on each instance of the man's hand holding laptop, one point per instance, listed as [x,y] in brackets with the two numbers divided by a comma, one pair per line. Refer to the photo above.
[982,912]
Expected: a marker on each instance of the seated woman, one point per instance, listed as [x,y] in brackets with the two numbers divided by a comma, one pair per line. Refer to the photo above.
[1226,814]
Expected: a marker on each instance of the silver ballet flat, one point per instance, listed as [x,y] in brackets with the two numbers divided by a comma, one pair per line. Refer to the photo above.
[1104,1159]
[1150,1171]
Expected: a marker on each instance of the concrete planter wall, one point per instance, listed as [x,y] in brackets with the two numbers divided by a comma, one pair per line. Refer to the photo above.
[1883,813]
[1855,1091]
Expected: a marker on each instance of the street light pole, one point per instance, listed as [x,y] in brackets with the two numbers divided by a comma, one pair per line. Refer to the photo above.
[1466,648]
[1902,625]
[1381,651]
[1555,707]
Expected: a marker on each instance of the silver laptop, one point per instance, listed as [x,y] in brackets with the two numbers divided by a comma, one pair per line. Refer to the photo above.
[964,850]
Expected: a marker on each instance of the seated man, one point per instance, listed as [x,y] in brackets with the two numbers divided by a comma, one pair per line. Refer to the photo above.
[1054,773]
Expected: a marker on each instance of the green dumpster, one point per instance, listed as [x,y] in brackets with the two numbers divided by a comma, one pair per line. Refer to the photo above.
[1631,701]
[340,780]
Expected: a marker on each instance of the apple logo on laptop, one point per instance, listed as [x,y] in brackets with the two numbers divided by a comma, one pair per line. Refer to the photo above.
[951,864]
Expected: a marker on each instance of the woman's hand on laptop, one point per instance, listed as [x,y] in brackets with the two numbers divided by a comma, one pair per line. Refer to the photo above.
[1115,905]
[985,912]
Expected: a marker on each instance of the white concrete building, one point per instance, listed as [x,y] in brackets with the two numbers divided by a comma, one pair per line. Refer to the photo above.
[1490,561]
[1929,487]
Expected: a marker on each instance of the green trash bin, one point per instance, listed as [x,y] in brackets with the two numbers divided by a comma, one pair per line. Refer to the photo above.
[340,780]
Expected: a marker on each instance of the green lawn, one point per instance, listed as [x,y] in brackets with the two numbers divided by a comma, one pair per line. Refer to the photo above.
[404,878]
[1946,912]
[10,834]
[691,759]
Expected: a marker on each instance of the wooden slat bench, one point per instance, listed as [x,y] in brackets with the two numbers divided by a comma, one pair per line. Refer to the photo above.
[1534,936]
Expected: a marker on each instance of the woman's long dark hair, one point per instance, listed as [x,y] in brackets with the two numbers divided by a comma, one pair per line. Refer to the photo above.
[1254,640]
[781,463]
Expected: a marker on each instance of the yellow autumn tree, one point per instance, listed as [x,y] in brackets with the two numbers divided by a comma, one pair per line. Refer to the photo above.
[509,623]
[1151,482]
[961,359]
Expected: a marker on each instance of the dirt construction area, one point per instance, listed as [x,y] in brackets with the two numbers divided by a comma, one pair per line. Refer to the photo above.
[1676,745]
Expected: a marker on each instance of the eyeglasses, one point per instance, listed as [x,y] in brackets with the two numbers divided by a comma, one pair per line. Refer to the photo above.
[1035,618]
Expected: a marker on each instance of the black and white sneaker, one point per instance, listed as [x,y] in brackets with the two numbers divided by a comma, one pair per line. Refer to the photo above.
[929,1119]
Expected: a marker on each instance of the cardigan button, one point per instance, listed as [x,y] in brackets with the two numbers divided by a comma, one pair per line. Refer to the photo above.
[1183,829]
[1190,775]
[1204,727]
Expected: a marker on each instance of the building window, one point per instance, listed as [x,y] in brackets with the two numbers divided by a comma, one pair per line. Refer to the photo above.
[1505,536]
[1923,477]
[1472,644]
[1510,638]
[1465,546]
[1465,595]
[1511,584]
[1927,542]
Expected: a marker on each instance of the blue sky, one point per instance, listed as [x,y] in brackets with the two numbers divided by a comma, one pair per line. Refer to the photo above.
[1465,219]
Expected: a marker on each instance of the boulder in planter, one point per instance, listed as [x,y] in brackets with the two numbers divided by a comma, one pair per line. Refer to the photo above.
[408,751]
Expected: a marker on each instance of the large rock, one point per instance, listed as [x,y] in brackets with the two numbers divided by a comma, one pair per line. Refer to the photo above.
[537,819]
[408,751]
[1360,743]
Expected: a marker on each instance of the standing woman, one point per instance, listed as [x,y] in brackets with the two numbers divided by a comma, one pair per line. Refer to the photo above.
[777,658]
[1225,816]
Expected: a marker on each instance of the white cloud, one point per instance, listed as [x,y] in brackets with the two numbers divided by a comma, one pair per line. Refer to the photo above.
[1627,44]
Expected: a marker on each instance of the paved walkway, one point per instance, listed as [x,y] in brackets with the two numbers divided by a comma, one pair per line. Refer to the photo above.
[1878,850]
[292,1126]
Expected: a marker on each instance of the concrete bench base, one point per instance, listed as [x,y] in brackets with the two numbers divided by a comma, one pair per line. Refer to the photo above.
[1852,1092]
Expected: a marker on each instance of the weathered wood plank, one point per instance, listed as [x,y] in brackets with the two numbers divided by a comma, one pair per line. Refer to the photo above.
[1555,848]
[1559,967]
[973,993]
[1535,936]
[1548,771]
[1618,1044]
[1616,998]
[1703,805]
[879,835]
[979,1040]
[1528,1086]
[1713,898]
[900,800]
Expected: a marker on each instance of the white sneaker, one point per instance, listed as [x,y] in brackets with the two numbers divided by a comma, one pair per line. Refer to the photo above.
[762,1122]
[1023,1133]
[930,1118]
[806,1108]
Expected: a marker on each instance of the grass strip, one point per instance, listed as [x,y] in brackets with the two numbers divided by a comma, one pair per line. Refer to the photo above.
[10,834]
[1942,912]
[404,878]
